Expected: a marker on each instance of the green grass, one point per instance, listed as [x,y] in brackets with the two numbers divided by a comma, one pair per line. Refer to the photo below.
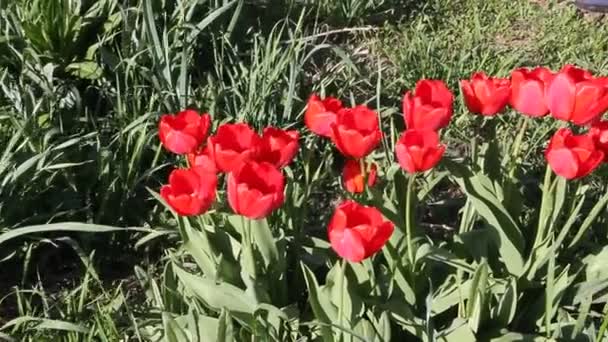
[81,92]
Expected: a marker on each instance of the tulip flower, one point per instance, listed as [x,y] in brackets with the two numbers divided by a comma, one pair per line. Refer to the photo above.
[430,107]
[418,150]
[202,159]
[486,95]
[255,189]
[573,156]
[599,133]
[232,145]
[528,90]
[354,180]
[191,191]
[356,132]
[278,147]
[357,232]
[321,114]
[575,95]
[185,132]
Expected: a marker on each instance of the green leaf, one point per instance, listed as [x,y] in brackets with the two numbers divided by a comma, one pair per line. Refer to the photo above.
[225,330]
[64,227]
[398,271]
[266,245]
[593,214]
[430,183]
[505,233]
[558,289]
[507,305]
[173,332]
[86,70]
[170,291]
[561,189]
[274,316]
[321,305]
[197,244]
[438,254]
[219,296]
[200,328]
[344,294]
[516,337]
[208,20]
[365,329]
[476,305]
[46,324]
[596,265]
[451,297]
[382,326]
[457,332]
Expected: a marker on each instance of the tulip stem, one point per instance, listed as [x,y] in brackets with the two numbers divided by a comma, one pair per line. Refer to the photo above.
[408,217]
[544,215]
[517,146]
[341,318]
[247,246]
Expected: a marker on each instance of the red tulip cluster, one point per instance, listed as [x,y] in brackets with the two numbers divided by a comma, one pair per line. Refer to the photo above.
[255,183]
[571,95]
[356,231]
[253,162]
[355,132]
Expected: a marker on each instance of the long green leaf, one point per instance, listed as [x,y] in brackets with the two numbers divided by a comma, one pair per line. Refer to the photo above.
[322,309]
[219,295]
[208,20]
[505,232]
[64,227]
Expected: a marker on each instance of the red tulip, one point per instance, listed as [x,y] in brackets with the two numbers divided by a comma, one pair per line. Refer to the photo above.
[184,132]
[353,178]
[486,95]
[321,114]
[190,192]
[575,95]
[528,88]
[255,189]
[430,107]
[419,150]
[232,145]
[599,133]
[202,159]
[278,147]
[357,232]
[573,156]
[356,131]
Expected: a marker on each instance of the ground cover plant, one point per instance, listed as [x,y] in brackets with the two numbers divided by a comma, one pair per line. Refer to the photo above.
[277,170]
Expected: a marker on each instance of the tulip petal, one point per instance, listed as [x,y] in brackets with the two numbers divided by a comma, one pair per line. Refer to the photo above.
[404,158]
[179,142]
[432,157]
[593,161]
[254,205]
[563,162]
[500,100]
[561,97]
[470,99]
[349,142]
[408,104]
[320,115]
[347,243]
[587,95]
[529,99]
[383,233]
